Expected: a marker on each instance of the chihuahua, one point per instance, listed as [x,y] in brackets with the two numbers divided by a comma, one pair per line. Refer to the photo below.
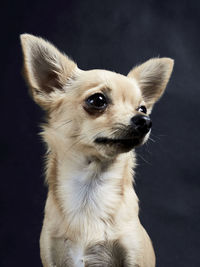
[95,119]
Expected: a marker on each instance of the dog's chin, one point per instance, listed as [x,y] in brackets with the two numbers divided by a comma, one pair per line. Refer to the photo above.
[118,145]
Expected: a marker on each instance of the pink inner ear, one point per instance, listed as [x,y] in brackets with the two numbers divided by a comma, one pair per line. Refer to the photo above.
[51,82]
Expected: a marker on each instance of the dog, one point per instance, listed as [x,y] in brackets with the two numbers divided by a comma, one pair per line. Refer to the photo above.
[95,119]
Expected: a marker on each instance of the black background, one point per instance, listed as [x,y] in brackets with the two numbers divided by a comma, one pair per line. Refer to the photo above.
[114,35]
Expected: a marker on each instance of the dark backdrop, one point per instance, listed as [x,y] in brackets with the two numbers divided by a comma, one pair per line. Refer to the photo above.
[113,35]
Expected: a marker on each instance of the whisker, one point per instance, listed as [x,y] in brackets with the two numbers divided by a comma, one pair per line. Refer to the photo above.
[63,124]
[144,159]
[158,137]
[152,139]
[146,146]
[76,142]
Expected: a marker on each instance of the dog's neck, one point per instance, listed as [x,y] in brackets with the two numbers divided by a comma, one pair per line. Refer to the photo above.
[90,190]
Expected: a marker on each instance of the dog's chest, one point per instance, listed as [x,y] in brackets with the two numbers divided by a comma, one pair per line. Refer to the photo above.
[89,198]
[90,192]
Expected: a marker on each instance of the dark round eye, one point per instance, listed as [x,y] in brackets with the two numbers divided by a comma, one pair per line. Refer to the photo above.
[97,101]
[142,109]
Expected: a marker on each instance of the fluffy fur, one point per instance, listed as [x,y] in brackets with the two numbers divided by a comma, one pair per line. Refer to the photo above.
[91,213]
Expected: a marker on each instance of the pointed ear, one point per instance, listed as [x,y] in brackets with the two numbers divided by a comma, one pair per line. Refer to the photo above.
[46,69]
[152,77]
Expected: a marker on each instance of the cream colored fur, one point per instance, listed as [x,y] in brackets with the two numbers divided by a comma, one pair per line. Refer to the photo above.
[91,199]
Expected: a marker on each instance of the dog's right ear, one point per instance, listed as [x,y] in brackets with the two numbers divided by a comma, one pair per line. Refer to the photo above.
[46,69]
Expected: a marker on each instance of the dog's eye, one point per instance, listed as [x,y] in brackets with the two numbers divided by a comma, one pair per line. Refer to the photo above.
[97,101]
[142,109]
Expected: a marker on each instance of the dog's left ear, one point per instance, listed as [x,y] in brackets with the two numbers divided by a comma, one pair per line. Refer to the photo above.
[152,77]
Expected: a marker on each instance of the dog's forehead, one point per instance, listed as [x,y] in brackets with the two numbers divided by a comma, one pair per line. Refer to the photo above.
[121,86]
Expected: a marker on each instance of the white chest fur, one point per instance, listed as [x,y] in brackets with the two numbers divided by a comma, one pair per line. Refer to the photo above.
[89,195]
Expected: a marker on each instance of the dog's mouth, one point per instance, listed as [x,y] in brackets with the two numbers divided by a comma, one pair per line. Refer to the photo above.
[124,144]
[124,138]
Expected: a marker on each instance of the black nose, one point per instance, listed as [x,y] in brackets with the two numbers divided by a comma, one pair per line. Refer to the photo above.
[142,124]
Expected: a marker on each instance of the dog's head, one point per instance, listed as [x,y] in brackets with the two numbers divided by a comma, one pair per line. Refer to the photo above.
[99,112]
